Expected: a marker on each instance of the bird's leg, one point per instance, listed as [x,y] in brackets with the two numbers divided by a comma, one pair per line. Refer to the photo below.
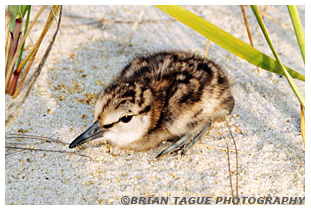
[182,141]
[186,142]
[196,138]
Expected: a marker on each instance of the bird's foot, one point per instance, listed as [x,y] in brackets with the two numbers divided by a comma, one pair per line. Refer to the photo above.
[185,142]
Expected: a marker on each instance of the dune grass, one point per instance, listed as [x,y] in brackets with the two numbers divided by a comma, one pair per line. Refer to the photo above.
[245,51]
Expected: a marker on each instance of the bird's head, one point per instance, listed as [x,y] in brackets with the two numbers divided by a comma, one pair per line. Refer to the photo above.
[122,115]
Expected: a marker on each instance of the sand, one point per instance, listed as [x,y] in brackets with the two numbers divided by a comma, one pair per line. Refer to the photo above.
[265,122]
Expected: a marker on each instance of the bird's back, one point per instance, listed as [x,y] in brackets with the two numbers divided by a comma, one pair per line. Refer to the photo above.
[161,96]
[189,90]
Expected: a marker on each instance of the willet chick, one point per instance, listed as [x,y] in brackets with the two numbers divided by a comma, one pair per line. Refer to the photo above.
[162,96]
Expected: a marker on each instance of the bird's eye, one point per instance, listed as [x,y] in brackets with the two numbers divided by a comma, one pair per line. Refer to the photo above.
[126,118]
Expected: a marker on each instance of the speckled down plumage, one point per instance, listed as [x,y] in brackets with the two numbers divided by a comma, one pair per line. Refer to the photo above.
[162,96]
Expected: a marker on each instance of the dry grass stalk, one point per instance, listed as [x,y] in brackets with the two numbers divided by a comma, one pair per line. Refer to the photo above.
[229,170]
[41,138]
[302,125]
[47,150]
[133,29]
[208,41]
[12,110]
[236,163]
[265,15]
[224,149]
[34,51]
[7,36]
[275,21]
[14,37]
[10,68]
[248,30]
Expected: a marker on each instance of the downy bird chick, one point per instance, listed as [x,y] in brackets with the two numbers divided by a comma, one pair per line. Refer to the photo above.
[159,97]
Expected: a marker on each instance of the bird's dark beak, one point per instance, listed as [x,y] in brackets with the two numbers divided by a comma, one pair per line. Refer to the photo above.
[93,132]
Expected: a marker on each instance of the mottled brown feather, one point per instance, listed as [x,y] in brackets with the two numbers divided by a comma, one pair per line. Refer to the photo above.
[180,92]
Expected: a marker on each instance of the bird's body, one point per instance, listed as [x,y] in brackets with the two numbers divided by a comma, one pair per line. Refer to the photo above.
[162,96]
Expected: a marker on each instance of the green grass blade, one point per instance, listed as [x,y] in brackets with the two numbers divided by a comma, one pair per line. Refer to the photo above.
[294,15]
[293,85]
[13,12]
[227,41]
[25,31]
[25,8]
